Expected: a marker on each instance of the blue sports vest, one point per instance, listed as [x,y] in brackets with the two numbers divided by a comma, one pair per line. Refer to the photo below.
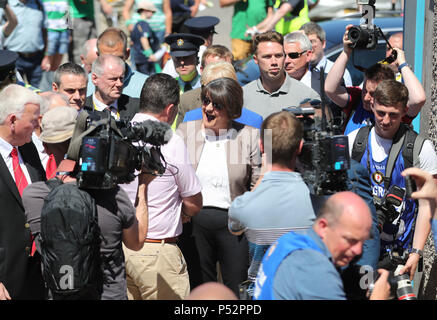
[399,233]
[283,247]
[359,118]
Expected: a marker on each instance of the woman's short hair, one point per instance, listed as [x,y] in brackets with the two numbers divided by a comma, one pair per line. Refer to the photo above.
[226,92]
[217,70]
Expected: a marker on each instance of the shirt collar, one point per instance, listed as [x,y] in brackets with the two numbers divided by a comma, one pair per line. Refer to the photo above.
[100,106]
[283,89]
[322,63]
[5,148]
[314,236]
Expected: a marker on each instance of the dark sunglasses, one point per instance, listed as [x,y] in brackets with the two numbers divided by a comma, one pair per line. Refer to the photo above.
[206,101]
[295,55]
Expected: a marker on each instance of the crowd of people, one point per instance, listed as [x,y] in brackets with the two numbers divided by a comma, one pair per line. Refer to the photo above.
[232,205]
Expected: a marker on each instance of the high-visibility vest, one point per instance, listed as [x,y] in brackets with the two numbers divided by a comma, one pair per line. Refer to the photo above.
[290,22]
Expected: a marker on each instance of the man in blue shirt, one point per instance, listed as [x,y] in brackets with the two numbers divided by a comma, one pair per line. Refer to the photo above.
[281,201]
[304,267]
[27,39]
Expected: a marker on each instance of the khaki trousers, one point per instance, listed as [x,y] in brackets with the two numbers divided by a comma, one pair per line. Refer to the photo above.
[156,272]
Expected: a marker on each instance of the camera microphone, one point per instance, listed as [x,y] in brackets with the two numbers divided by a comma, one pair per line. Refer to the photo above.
[154,132]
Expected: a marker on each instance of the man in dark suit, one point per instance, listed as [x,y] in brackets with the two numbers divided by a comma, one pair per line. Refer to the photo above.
[20,274]
[107,75]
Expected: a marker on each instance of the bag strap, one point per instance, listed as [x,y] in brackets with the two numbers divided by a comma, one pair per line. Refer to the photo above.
[53,183]
[396,147]
[360,143]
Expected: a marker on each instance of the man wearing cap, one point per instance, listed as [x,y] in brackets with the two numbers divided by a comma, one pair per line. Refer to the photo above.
[107,74]
[20,276]
[201,26]
[184,48]
[114,41]
[118,220]
[146,48]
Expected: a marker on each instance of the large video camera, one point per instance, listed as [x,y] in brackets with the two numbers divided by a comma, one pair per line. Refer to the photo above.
[325,153]
[109,151]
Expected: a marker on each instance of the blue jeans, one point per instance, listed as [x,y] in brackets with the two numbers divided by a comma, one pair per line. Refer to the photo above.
[31,68]
[57,42]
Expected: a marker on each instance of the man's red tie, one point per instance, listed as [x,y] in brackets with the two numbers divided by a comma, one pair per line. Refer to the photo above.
[51,167]
[20,178]
[21,182]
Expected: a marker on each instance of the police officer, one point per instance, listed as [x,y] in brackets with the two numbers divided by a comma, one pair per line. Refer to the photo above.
[9,73]
[201,26]
[183,50]
[7,68]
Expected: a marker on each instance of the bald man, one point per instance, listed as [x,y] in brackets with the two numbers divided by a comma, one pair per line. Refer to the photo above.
[303,267]
[89,54]
[115,42]
[212,291]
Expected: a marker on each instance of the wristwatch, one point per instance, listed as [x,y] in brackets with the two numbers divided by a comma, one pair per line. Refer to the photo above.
[419,252]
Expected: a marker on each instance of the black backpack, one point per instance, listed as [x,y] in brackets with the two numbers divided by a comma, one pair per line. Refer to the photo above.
[70,243]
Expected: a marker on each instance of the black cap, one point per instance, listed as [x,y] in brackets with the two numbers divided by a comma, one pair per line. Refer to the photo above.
[184,44]
[7,62]
[202,26]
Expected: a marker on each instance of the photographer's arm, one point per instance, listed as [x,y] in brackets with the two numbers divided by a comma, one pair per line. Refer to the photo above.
[416,93]
[333,88]
[133,237]
[421,232]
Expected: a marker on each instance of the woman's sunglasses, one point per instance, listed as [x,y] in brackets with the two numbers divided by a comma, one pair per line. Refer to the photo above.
[206,101]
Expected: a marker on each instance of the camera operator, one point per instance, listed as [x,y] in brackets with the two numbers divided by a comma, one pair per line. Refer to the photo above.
[253,212]
[118,220]
[403,235]
[355,102]
[173,198]
[337,236]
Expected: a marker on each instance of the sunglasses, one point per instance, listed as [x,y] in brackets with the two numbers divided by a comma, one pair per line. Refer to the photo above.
[295,55]
[206,101]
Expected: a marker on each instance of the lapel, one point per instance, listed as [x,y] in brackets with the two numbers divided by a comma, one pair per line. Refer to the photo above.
[127,106]
[5,175]
[32,162]
[315,80]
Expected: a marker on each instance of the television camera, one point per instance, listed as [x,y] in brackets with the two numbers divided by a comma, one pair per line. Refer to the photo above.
[108,152]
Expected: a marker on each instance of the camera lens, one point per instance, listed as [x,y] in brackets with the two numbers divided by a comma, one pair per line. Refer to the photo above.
[360,37]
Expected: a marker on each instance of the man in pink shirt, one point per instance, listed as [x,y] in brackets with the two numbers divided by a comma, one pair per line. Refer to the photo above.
[159,270]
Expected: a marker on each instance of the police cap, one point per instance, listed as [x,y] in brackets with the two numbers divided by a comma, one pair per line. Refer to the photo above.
[7,62]
[184,44]
[202,26]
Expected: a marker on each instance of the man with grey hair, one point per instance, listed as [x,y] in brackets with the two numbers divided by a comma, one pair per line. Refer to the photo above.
[298,53]
[19,166]
[298,56]
[317,36]
[107,75]
[71,80]
[89,54]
